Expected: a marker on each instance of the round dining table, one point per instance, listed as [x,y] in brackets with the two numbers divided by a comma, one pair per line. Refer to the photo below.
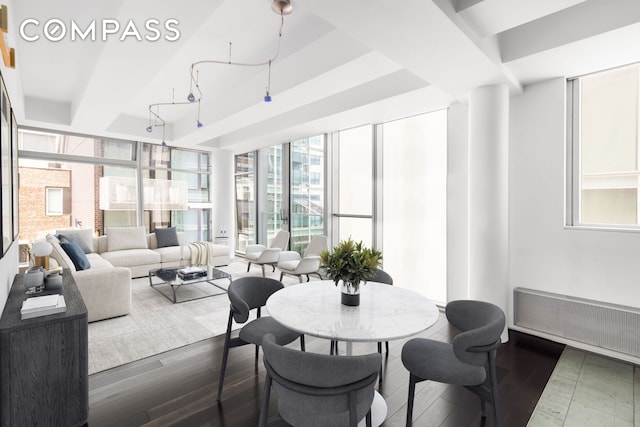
[385,313]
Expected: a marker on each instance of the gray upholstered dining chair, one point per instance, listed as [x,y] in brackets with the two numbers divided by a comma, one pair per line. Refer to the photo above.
[261,255]
[464,362]
[318,390]
[246,294]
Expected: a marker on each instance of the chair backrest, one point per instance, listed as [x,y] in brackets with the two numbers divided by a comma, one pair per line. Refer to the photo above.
[382,276]
[247,293]
[281,241]
[481,324]
[319,390]
[316,245]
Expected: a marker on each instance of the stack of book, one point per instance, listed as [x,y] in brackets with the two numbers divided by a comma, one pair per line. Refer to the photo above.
[42,306]
[191,273]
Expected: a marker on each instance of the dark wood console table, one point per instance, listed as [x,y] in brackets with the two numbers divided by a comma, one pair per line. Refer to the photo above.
[44,362]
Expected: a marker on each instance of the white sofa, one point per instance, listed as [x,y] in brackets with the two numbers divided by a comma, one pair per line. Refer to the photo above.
[114,259]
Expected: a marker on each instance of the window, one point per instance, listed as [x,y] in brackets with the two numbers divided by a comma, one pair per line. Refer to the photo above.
[176,190]
[604,167]
[54,201]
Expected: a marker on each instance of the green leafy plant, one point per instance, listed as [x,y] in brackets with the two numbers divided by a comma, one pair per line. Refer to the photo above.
[351,262]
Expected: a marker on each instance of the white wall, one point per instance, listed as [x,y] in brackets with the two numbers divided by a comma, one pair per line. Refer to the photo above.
[8,270]
[544,255]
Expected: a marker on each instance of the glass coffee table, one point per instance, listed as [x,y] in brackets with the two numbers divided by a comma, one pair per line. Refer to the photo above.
[169,283]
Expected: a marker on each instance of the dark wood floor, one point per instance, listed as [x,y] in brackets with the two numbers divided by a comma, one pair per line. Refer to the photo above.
[178,388]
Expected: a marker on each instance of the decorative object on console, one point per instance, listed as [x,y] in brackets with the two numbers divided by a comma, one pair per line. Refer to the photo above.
[42,306]
[41,249]
[53,281]
[350,264]
[34,280]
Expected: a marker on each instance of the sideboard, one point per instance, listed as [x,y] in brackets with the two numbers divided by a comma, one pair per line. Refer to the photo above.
[44,362]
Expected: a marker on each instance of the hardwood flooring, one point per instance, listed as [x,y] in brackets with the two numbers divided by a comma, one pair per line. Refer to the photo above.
[179,387]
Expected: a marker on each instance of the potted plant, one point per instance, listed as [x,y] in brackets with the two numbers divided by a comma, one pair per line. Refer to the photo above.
[350,264]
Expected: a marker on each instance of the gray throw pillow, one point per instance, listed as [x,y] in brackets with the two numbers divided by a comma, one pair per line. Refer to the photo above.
[167,237]
[77,239]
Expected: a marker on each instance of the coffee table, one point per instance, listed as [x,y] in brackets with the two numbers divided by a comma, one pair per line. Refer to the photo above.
[163,279]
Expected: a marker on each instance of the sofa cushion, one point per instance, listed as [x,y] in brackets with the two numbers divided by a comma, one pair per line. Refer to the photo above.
[77,239]
[173,253]
[119,238]
[77,255]
[59,254]
[132,257]
[97,261]
[86,234]
[166,237]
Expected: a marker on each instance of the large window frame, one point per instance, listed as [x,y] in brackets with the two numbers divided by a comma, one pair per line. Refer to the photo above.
[579,181]
[110,157]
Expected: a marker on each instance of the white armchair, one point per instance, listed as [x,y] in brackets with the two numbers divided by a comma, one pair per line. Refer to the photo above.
[261,255]
[292,263]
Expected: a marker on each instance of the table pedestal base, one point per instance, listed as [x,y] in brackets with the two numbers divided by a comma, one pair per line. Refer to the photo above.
[378,411]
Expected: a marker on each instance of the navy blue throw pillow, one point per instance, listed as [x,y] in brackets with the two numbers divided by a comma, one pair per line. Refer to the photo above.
[77,255]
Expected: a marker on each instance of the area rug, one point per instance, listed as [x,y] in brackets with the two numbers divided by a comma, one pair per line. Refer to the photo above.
[156,325]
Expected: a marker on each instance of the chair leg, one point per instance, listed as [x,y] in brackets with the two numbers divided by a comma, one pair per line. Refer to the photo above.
[308,278]
[248,266]
[386,346]
[257,351]
[263,273]
[368,418]
[331,349]
[379,347]
[264,409]
[494,388]
[412,391]
[274,268]
[302,343]
[300,278]
[281,276]
[225,356]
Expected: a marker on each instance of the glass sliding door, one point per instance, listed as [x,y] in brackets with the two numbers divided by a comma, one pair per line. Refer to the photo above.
[307,190]
[273,183]
[245,180]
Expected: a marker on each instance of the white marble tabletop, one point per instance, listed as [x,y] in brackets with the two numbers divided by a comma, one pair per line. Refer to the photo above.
[385,312]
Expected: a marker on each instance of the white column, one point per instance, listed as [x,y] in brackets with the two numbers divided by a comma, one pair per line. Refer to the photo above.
[488,224]
[222,195]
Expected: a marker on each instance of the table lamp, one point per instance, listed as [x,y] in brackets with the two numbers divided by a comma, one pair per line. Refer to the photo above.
[41,250]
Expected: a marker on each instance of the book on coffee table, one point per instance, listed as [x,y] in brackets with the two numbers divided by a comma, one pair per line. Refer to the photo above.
[42,306]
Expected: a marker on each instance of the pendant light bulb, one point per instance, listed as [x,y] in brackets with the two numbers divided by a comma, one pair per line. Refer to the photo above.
[149,129]
[199,124]
[191,97]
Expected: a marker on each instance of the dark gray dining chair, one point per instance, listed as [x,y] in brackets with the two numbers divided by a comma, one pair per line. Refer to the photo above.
[464,362]
[246,294]
[318,390]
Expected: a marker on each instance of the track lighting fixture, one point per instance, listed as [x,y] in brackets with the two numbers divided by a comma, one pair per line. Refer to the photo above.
[282,8]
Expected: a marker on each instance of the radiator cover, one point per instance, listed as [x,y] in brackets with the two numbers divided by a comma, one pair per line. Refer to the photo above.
[610,326]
